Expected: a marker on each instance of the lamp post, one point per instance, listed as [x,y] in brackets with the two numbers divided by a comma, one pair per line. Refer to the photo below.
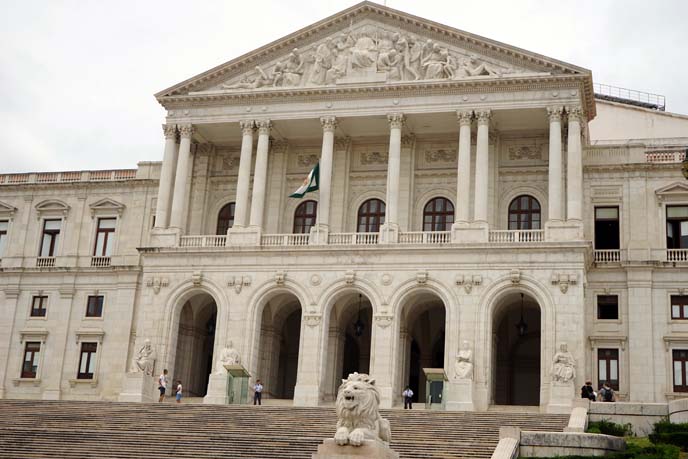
[522,326]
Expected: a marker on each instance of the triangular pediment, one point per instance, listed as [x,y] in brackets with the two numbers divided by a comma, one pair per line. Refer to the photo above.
[678,190]
[370,44]
[7,210]
[106,205]
[52,205]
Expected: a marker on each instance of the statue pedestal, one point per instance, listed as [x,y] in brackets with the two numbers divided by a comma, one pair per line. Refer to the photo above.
[217,390]
[561,397]
[459,395]
[370,448]
[228,388]
[138,387]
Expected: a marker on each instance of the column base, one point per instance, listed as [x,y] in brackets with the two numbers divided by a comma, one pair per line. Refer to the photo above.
[370,448]
[244,236]
[319,235]
[458,395]
[137,387]
[306,395]
[561,398]
[475,232]
[165,237]
[389,233]
[559,231]
[217,389]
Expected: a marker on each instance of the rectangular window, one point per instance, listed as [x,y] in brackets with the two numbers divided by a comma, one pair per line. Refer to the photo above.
[607,228]
[51,235]
[680,357]
[679,307]
[87,361]
[94,306]
[104,237]
[608,367]
[32,351]
[677,227]
[607,307]
[38,306]
[4,225]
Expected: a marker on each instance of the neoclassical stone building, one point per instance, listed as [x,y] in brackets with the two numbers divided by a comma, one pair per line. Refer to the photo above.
[480,210]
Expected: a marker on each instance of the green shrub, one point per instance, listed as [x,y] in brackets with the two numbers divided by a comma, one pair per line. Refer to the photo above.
[634,451]
[669,427]
[679,439]
[610,428]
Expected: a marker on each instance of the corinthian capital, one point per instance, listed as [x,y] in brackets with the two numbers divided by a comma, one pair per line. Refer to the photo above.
[464,117]
[246,126]
[483,117]
[328,123]
[186,131]
[396,120]
[170,130]
[554,113]
[575,113]
[264,127]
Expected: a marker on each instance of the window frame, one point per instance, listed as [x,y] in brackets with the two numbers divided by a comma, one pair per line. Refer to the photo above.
[300,219]
[54,244]
[378,217]
[43,300]
[674,220]
[683,307]
[109,237]
[36,360]
[617,220]
[597,306]
[529,212]
[4,236]
[92,358]
[232,212]
[614,384]
[88,306]
[682,388]
[436,216]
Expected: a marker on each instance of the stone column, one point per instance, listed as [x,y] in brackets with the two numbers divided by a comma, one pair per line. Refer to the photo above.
[11,293]
[311,369]
[260,174]
[574,171]
[169,166]
[554,178]
[184,164]
[390,230]
[481,167]
[641,337]
[241,206]
[382,358]
[463,188]
[320,232]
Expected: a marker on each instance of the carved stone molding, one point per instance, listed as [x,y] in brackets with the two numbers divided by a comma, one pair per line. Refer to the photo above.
[421,277]
[263,127]
[386,279]
[521,152]
[575,113]
[307,160]
[467,281]
[328,123]
[312,320]
[186,131]
[554,113]
[11,292]
[374,157]
[169,130]
[67,292]
[349,277]
[408,140]
[197,278]
[239,282]
[342,143]
[597,340]
[157,283]
[280,277]
[440,156]
[383,320]
[316,279]
[564,280]
[464,117]
[483,116]
[515,276]
[247,126]
[396,120]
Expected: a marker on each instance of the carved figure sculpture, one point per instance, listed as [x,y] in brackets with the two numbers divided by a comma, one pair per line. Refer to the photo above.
[389,61]
[401,44]
[434,63]
[262,79]
[464,362]
[228,356]
[323,61]
[563,365]
[338,68]
[358,416]
[363,53]
[475,68]
[293,69]
[144,361]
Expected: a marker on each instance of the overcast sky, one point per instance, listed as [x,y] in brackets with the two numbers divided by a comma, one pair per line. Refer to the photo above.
[77,78]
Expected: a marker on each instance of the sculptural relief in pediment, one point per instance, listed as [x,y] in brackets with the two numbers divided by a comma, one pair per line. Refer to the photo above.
[370,53]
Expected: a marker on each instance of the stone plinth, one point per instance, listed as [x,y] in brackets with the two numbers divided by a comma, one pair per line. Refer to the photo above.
[137,387]
[370,448]
[165,237]
[217,390]
[244,236]
[563,231]
[389,233]
[459,395]
[475,232]
[561,398]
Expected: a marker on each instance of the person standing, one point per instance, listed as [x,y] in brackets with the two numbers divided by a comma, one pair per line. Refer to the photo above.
[408,398]
[257,392]
[162,385]
[179,392]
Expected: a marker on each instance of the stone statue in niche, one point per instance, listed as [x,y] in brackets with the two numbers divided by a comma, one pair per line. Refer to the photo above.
[144,361]
[228,356]
[563,365]
[464,362]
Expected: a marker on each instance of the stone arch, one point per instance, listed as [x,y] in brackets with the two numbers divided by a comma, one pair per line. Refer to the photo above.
[290,208]
[509,195]
[357,202]
[424,198]
[490,303]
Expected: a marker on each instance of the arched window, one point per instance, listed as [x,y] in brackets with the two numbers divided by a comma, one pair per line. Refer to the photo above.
[438,215]
[371,215]
[225,219]
[524,213]
[304,217]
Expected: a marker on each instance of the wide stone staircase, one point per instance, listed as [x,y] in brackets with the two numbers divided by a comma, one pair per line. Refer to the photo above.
[71,429]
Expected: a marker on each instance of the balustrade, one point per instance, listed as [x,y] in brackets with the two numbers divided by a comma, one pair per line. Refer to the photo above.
[516,236]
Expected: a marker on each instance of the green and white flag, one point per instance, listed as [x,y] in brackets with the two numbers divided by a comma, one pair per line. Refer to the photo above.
[310,184]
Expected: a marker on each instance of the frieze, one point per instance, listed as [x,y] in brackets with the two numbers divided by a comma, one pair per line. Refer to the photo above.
[238,282]
[440,156]
[520,152]
[307,160]
[373,157]
[157,283]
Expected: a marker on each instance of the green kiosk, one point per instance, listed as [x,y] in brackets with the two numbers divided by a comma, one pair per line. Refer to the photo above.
[434,388]
[237,384]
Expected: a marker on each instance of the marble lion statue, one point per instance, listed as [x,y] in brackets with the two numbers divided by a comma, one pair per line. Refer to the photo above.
[358,416]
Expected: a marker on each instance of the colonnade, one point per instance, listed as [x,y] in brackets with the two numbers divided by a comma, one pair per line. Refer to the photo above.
[177,162]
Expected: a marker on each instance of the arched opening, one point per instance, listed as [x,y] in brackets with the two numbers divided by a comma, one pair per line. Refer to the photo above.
[278,348]
[438,215]
[516,349]
[421,342]
[195,343]
[371,215]
[225,219]
[305,216]
[349,340]
[524,213]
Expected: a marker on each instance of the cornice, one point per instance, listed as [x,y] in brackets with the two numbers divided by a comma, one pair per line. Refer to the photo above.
[80,185]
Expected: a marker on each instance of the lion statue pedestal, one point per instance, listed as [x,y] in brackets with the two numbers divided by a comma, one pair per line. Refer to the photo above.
[361,431]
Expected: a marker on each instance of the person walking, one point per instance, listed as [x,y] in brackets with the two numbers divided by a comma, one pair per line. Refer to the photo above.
[162,385]
[257,392]
[179,392]
[408,398]
[587,391]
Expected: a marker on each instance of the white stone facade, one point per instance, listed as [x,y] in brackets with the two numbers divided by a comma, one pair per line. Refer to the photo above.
[509,124]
